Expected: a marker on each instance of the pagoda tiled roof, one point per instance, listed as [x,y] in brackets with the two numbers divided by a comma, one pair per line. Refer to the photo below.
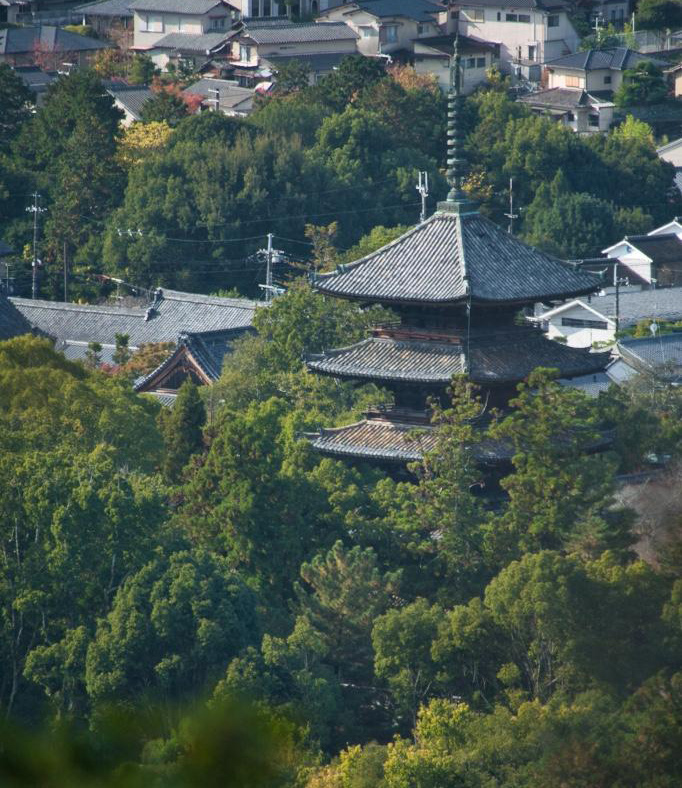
[496,358]
[453,257]
[390,441]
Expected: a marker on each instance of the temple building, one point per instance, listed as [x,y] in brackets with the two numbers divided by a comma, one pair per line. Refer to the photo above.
[458,284]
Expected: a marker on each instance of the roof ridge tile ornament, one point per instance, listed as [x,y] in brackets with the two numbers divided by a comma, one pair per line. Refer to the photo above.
[456,201]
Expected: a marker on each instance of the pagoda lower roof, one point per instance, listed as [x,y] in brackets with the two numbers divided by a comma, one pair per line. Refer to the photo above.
[388,440]
[457,257]
[496,358]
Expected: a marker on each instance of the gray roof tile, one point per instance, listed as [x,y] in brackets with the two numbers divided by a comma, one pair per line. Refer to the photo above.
[449,258]
[661,304]
[132,97]
[173,313]
[419,10]
[288,33]
[617,59]
[498,358]
[106,8]
[193,42]
[653,353]
[19,40]
[176,6]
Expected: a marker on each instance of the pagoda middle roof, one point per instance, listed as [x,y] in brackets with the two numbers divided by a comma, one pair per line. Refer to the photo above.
[453,257]
[500,358]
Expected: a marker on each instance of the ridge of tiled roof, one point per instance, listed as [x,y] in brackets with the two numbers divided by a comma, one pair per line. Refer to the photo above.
[176,6]
[418,10]
[427,265]
[120,8]
[617,59]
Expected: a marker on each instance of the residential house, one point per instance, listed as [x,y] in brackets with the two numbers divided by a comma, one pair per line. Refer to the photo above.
[223,95]
[672,153]
[112,19]
[36,80]
[388,27]
[595,319]
[659,355]
[655,258]
[191,50]
[129,99]
[432,56]
[155,19]
[529,32]
[262,46]
[205,325]
[610,13]
[10,10]
[49,47]
[574,108]
[597,71]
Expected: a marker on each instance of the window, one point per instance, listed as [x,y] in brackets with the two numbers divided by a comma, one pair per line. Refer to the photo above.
[470,62]
[480,62]
[574,322]
[473,14]
[172,24]
[511,18]
[532,51]
[151,24]
[570,117]
[390,33]
[499,16]
[218,23]
[422,28]
[525,18]
[367,32]
[593,120]
[553,20]
[244,53]
[572,82]
[607,80]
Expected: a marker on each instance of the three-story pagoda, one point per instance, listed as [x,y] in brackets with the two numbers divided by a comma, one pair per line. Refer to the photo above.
[457,281]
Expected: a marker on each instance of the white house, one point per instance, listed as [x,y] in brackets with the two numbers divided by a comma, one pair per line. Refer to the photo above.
[388,26]
[155,19]
[655,258]
[432,56]
[574,108]
[529,33]
[223,95]
[595,319]
[672,153]
[263,46]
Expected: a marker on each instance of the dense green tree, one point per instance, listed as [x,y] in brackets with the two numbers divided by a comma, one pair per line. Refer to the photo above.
[15,99]
[182,430]
[164,107]
[658,14]
[292,76]
[354,74]
[643,84]
[173,628]
[141,69]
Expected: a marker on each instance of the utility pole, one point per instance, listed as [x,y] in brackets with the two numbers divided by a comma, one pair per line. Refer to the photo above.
[36,210]
[268,271]
[511,215]
[215,101]
[66,275]
[7,267]
[423,189]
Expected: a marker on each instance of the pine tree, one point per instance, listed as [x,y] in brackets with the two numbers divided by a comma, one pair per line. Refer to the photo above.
[182,430]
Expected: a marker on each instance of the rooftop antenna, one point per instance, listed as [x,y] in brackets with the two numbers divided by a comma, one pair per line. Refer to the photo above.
[423,189]
[511,215]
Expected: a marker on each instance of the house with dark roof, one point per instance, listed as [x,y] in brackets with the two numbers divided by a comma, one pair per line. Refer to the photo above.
[581,322]
[36,80]
[11,9]
[129,99]
[205,326]
[432,56]
[574,108]
[388,27]
[12,322]
[261,47]
[529,32]
[655,258]
[223,95]
[112,19]
[191,50]
[597,71]
[658,355]
[49,47]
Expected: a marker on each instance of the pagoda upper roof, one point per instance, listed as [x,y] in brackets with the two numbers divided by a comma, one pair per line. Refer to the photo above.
[453,257]
[486,358]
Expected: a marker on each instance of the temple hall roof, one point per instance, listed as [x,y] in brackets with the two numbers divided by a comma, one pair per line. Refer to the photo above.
[452,257]
[497,358]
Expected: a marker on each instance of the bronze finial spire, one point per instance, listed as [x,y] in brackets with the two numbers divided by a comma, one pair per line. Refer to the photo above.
[457,165]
